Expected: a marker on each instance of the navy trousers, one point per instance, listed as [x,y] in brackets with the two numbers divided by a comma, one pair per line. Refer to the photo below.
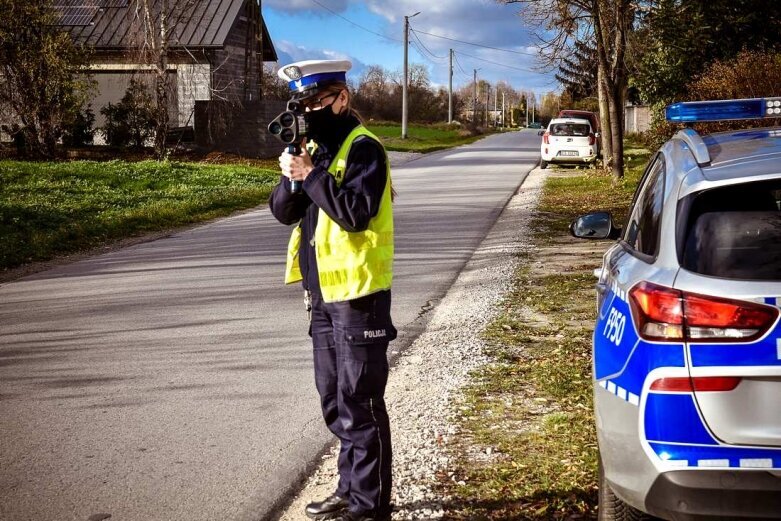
[350,341]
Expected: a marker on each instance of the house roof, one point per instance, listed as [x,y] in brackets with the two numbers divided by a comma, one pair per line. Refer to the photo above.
[109,24]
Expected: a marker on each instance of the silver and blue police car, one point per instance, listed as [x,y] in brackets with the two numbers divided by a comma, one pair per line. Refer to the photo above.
[687,344]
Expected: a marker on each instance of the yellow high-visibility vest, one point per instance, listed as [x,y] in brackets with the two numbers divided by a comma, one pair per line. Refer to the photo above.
[349,264]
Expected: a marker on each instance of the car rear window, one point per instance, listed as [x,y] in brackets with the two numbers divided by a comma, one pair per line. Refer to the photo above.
[570,129]
[735,232]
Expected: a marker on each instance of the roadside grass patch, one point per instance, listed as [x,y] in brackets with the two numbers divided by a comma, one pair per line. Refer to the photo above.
[55,208]
[51,208]
[422,138]
[526,445]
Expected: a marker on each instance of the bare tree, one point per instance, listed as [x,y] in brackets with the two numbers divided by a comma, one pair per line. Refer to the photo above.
[612,23]
[608,22]
[152,26]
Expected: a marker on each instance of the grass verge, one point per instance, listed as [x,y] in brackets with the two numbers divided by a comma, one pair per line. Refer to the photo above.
[526,446]
[54,208]
[422,138]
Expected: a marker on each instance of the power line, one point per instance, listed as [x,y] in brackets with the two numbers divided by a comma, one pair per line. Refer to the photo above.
[463,74]
[414,33]
[455,57]
[500,64]
[476,44]
[425,50]
[355,24]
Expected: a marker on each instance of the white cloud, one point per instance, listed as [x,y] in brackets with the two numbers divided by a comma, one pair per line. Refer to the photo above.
[485,22]
[300,52]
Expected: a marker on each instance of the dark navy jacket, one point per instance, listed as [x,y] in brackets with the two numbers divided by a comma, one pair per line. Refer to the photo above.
[351,205]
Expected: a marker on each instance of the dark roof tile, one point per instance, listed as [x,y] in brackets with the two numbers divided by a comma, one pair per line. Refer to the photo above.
[195,23]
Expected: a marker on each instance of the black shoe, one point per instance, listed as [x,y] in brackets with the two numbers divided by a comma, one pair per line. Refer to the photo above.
[329,508]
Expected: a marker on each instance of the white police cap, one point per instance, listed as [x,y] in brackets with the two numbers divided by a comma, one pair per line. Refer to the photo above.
[307,77]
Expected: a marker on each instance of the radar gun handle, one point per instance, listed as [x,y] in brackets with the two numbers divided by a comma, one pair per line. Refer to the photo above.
[294,149]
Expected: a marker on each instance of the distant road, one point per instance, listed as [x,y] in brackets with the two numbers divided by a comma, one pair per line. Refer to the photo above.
[172,380]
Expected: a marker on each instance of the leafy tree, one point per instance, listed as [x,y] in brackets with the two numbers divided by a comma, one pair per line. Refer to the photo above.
[578,72]
[39,80]
[273,87]
[682,37]
[131,122]
[738,77]
[549,107]
[80,131]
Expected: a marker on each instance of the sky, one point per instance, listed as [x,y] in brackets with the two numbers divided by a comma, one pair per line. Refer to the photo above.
[371,32]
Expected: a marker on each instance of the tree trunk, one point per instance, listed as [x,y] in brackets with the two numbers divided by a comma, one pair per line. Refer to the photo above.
[161,84]
[616,127]
[604,119]
[613,16]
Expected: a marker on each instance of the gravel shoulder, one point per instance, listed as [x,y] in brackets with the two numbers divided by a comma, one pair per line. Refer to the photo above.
[428,375]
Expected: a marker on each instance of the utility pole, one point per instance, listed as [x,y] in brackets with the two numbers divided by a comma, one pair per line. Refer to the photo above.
[487,97]
[405,83]
[474,100]
[496,98]
[503,123]
[450,91]
[527,110]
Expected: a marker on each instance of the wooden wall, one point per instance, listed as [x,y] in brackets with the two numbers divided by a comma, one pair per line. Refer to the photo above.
[238,130]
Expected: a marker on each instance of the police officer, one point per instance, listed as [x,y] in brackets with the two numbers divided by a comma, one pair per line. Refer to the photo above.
[342,251]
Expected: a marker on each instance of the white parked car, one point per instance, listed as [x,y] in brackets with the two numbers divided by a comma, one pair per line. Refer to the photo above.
[568,140]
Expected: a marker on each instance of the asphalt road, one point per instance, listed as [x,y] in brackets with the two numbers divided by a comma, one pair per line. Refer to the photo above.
[172,380]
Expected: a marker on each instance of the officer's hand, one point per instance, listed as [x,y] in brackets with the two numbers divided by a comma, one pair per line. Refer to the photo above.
[296,168]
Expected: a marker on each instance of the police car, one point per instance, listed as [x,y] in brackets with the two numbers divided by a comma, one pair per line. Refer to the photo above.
[687,343]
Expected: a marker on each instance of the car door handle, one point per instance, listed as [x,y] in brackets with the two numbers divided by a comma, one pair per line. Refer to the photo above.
[601,288]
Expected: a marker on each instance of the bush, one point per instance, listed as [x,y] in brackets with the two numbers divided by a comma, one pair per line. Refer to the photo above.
[751,74]
[80,131]
[131,122]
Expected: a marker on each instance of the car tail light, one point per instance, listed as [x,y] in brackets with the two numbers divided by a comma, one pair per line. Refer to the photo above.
[592,139]
[667,314]
[686,384]
[546,138]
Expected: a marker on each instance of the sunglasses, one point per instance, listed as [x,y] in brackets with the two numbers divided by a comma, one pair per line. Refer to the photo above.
[318,103]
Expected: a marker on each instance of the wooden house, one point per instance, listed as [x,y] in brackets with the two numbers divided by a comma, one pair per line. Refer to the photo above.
[216,53]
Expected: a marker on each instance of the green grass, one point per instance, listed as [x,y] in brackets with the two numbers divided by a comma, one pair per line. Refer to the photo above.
[532,404]
[566,197]
[48,209]
[422,138]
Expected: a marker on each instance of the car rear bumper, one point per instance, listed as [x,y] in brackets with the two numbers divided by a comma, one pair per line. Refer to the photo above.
[695,495]
[579,159]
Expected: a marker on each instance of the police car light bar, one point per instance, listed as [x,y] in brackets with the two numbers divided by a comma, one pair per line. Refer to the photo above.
[723,110]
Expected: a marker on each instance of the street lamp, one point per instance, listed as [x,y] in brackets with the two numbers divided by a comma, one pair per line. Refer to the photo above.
[406,77]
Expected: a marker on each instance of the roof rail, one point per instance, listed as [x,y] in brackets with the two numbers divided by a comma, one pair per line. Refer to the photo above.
[696,144]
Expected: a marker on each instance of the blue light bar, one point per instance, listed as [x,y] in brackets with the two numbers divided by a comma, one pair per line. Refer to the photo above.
[723,110]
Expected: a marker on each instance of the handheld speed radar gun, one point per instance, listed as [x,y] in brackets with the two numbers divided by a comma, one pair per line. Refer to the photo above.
[290,128]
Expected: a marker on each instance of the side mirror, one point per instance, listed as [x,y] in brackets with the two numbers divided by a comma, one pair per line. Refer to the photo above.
[597,134]
[595,225]
[541,133]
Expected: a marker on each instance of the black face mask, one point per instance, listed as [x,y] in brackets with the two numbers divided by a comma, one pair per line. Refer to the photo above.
[321,123]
